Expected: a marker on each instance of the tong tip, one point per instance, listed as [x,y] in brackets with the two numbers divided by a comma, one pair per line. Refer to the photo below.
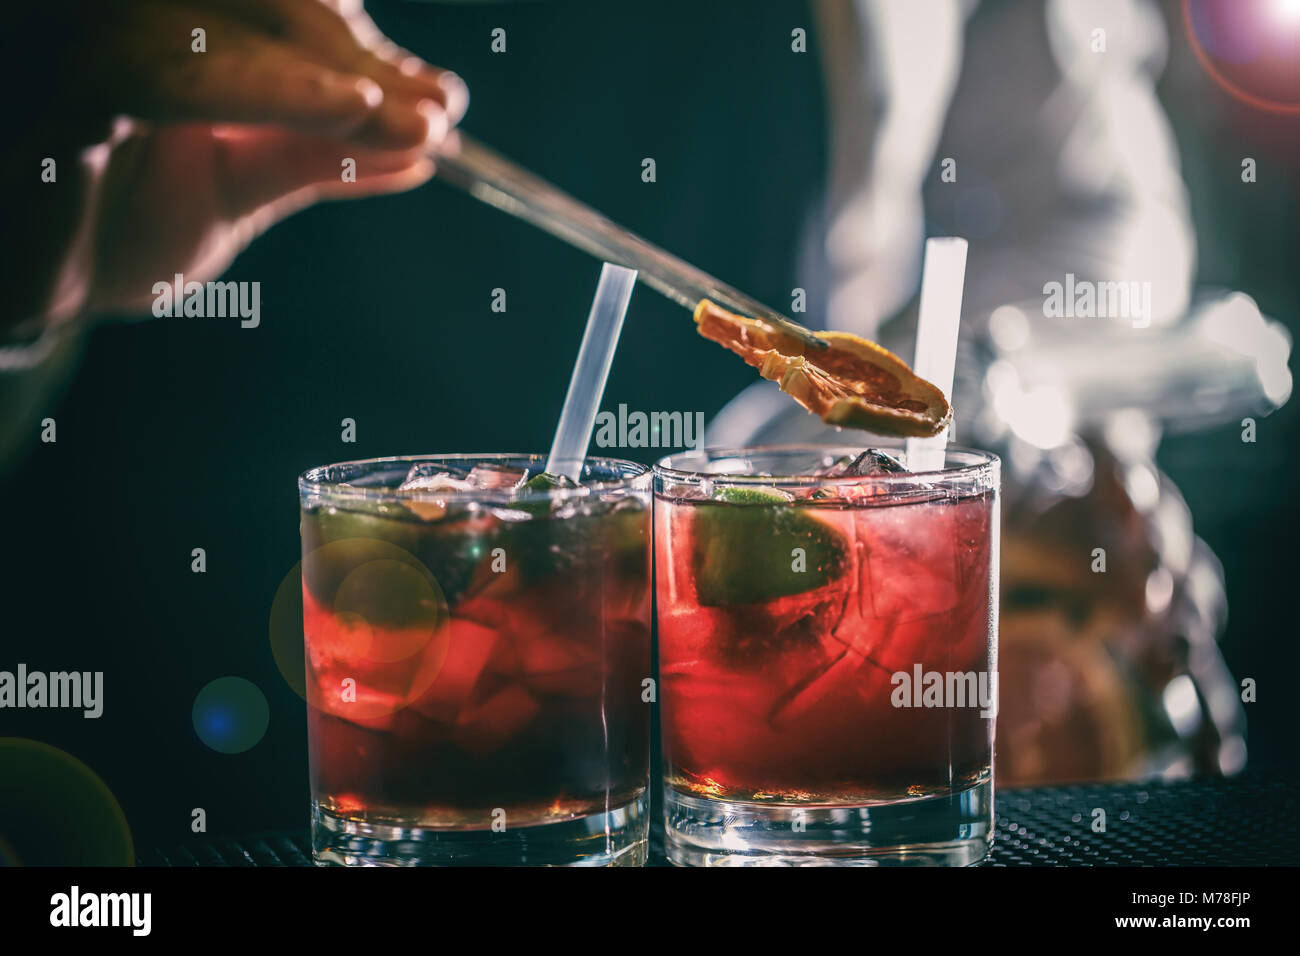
[807,336]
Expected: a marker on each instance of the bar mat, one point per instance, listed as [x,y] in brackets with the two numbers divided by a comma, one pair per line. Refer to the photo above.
[1185,823]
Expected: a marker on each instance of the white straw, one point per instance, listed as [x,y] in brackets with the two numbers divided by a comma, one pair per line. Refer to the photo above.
[590,372]
[942,277]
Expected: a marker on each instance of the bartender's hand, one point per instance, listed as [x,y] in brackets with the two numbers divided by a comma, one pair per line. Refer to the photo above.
[171,160]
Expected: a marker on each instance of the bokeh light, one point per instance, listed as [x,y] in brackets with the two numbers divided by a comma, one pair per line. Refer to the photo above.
[383,609]
[56,811]
[377,628]
[231,715]
[1250,48]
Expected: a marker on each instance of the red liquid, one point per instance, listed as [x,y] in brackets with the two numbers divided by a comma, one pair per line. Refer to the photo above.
[516,690]
[791,698]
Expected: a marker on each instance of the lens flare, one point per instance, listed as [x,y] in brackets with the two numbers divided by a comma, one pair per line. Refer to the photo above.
[1287,9]
[56,811]
[1250,48]
[231,715]
[373,602]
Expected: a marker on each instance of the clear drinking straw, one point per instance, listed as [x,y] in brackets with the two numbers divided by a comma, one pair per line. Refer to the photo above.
[590,372]
[942,277]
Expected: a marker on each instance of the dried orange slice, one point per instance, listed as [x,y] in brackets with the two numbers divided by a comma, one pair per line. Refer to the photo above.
[852,382]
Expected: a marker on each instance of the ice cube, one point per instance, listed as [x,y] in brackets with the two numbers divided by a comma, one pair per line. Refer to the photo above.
[847,667]
[555,664]
[487,727]
[911,561]
[873,461]
[469,648]
[497,476]
[429,476]
[812,690]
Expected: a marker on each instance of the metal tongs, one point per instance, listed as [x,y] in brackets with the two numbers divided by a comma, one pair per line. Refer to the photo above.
[490,177]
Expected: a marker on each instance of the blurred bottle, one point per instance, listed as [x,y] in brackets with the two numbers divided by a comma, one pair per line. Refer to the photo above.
[1109,665]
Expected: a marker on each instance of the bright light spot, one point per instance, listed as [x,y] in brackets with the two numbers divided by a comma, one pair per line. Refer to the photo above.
[1232,755]
[1009,328]
[1182,705]
[1233,321]
[1286,9]
[1271,366]
[1236,323]
[1043,417]
[1132,434]
[1160,590]
[1143,487]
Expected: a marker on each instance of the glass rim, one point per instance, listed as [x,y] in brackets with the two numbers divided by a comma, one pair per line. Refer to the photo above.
[985,465]
[311,481]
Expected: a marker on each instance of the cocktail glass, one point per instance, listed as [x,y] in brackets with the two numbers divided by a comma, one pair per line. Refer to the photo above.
[477,655]
[827,639]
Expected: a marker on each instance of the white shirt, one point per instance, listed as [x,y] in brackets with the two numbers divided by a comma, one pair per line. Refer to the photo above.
[1064,164]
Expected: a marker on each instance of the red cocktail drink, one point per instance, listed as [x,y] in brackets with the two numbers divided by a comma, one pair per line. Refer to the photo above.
[827,643]
[477,641]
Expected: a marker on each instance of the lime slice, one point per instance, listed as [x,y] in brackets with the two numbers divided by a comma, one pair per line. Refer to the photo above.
[378,521]
[744,548]
[540,484]
[342,540]
[545,481]
[751,496]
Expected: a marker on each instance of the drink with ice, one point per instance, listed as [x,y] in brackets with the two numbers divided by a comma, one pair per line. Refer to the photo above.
[827,648]
[477,635]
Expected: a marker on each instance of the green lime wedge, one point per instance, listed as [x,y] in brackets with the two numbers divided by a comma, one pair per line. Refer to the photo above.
[540,484]
[381,521]
[341,540]
[745,541]
[545,481]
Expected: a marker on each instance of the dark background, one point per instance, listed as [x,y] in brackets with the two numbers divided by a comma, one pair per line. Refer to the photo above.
[184,433]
